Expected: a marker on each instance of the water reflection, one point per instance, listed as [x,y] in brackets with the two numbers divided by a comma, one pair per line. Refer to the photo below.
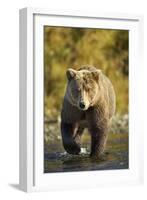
[116,157]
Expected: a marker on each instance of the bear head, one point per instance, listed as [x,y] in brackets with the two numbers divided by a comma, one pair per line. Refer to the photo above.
[83,87]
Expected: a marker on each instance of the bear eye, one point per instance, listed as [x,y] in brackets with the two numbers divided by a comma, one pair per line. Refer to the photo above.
[76,90]
[88,88]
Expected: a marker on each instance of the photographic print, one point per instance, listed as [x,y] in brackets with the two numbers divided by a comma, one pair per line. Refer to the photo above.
[81,91]
[85,99]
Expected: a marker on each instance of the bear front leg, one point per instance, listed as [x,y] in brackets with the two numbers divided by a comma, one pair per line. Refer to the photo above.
[98,126]
[98,141]
[69,142]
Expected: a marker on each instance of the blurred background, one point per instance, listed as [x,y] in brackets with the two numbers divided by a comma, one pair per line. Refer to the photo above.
[71,48]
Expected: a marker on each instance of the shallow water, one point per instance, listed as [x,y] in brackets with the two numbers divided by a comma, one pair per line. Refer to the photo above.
[115,157]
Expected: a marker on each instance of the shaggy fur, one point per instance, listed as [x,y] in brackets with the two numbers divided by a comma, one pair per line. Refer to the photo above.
[92,88]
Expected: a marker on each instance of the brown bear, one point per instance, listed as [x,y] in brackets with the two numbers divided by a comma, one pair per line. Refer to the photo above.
[89,102]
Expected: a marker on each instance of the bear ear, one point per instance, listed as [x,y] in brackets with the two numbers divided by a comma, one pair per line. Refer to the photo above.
[71,73]
[96,74]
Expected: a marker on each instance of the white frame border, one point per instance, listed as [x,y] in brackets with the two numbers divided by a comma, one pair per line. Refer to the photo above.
[27,93]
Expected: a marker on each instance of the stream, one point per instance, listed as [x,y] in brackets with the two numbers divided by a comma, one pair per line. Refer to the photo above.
[115,157]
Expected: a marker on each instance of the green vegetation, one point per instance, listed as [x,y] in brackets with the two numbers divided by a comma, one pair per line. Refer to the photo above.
[73,47]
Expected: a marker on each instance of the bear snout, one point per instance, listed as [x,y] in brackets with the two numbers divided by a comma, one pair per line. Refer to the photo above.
[82,105]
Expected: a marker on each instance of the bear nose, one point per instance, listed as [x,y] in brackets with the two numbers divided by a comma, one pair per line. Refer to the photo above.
[82,105]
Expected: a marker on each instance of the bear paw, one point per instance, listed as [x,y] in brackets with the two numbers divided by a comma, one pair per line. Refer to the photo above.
[72,148]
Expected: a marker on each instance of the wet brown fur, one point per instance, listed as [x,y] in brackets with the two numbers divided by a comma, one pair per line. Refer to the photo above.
[96,118]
